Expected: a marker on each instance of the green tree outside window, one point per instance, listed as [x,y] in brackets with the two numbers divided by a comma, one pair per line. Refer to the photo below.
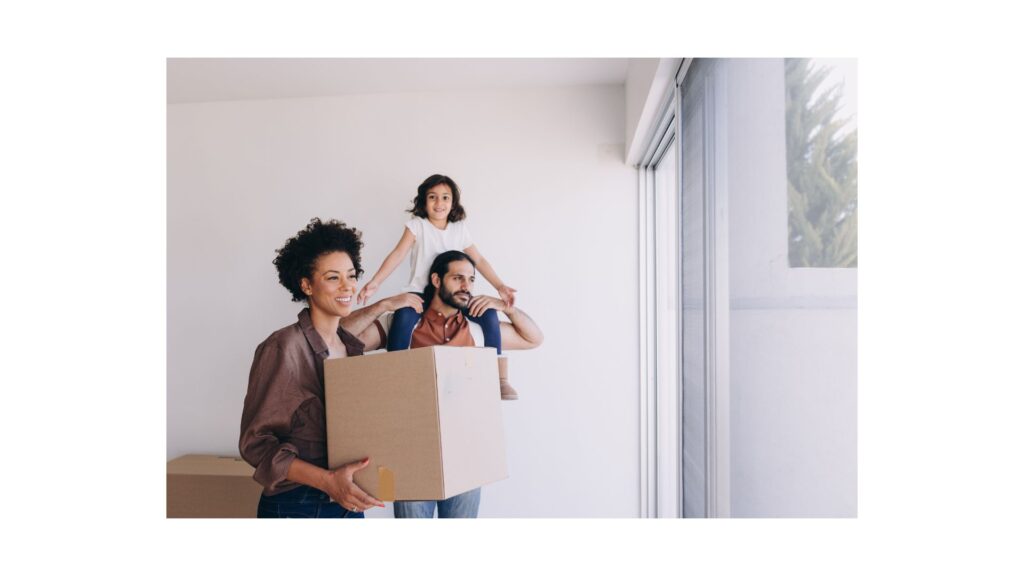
[821,158]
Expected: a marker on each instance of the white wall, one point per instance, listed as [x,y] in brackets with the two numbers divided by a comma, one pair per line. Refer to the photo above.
[793,331]
[550,203]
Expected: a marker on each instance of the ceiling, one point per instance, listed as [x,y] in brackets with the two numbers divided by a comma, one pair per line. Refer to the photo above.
[213,79]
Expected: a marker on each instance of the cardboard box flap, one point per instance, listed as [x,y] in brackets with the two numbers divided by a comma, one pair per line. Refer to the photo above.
[210,465]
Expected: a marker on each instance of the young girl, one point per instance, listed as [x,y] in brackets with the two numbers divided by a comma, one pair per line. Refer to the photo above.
[438,225]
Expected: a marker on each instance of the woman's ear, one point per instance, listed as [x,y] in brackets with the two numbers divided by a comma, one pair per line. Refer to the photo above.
[307,287]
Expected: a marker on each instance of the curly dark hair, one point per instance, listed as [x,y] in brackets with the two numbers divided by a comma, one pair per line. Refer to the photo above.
[419,203]
[297,258]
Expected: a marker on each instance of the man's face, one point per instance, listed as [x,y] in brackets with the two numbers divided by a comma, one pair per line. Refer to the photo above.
[456,289]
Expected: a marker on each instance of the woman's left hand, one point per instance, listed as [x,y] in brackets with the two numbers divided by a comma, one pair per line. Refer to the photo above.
[342,488]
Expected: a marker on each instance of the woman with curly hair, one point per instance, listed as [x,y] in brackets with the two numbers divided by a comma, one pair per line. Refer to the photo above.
[283,432]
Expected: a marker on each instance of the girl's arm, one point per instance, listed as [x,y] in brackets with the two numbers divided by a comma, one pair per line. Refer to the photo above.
[389,265]
[507,293]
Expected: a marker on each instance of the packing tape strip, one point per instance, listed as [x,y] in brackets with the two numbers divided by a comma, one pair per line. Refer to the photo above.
[385,484]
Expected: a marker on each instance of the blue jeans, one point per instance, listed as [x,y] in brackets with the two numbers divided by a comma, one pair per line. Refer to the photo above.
[405,320]
[463,505]
[302,502]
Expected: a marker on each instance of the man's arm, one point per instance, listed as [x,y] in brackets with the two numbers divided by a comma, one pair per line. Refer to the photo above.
[521,333]
[360,322]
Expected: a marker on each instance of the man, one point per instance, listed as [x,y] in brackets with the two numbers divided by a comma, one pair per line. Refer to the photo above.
[449,297]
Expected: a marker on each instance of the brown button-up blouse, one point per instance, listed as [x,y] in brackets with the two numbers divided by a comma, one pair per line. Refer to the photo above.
[283,417]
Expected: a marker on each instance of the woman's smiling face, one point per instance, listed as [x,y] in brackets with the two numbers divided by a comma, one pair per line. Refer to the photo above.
[332,288]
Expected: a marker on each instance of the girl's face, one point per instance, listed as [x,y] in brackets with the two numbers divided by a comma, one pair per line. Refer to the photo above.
[439,203]
[332,288]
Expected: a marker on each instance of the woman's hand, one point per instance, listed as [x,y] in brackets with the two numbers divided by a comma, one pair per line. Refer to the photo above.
[508,294]
[343,490]
[366,292]
[404,300]
[480,304]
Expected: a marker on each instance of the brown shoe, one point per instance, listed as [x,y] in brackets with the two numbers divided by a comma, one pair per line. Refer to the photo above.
[507,391]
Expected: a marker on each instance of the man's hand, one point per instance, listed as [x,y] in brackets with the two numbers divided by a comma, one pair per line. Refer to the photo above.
[480,304]
[403,300]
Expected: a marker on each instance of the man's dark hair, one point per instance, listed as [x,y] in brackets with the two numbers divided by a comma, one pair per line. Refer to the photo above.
[419,203]
[297,258]
[440,267]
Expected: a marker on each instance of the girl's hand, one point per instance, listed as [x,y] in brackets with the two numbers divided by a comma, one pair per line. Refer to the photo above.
[343,490]
[366,292]
[508,294]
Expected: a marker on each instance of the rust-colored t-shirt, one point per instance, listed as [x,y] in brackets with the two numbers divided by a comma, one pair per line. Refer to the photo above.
[283,417]
[434,329]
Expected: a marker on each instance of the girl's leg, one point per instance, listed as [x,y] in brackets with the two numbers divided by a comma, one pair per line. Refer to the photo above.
[490,324]
[402,325]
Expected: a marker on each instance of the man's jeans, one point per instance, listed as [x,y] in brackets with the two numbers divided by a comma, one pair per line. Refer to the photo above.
[463,505]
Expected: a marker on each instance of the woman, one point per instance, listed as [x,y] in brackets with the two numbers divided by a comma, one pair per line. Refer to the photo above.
[283,431]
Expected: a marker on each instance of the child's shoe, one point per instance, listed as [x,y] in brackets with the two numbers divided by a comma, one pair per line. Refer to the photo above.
[507,391]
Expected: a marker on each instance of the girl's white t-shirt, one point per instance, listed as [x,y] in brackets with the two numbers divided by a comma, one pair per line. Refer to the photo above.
[429,243]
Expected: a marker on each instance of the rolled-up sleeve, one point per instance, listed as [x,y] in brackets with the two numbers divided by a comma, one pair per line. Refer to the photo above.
[270,403]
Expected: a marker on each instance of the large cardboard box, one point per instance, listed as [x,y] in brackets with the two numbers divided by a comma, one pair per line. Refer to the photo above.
[429,419]
[211,487]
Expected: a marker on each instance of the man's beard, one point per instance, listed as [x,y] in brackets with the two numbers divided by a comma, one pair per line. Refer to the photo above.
[449,299]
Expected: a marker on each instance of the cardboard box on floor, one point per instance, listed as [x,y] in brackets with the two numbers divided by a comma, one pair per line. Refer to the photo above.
[211,487]
[429,419]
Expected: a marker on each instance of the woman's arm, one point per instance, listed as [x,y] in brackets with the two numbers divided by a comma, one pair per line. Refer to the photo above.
[507,293]
[267,415]
[389,265]
[266,418]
